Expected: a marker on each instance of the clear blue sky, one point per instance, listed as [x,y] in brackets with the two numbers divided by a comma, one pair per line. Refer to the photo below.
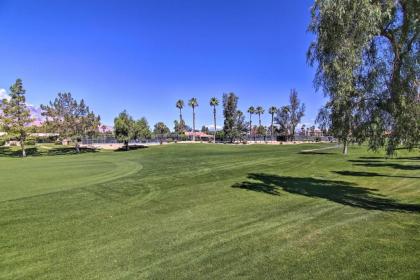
[144,55]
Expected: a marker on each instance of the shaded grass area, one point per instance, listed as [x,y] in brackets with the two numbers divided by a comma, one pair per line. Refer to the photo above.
[170,212]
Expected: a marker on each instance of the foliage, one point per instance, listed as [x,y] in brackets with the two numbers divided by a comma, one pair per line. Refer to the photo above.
[124,128]
[70,118]
[141,129]
[367,55]
[15,117]
[230,113]
[160,128]
[214,102]
[288,117]
[259,111]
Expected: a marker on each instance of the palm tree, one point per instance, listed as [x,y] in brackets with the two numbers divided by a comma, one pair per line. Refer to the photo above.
[272,110]
[251,111]
[193,102]
[180,105]
[214,102]
[259,110]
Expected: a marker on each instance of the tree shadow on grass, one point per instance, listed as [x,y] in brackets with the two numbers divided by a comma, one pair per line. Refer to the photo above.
[132,148]
[36,152]
[341,192]
[387,164]
[372,174]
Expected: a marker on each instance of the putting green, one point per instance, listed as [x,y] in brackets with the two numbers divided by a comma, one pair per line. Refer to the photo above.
[35,176]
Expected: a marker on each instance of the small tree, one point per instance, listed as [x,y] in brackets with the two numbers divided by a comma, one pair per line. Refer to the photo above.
[16,116]
[70,118]
[141,129]
[160,129]
[124,128]
[288,117]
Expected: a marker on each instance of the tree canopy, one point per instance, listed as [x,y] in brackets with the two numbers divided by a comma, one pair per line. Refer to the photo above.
[367,58]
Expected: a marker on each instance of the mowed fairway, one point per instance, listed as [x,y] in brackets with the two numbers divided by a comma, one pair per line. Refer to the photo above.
[211,212]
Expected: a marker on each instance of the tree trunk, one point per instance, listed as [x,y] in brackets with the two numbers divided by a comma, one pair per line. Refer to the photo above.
[22,146]
[180,121]
[345,147]
[214,118]
[193,125]
[77,147]
[250,126]
[126,145]
[272,128]
[259,119]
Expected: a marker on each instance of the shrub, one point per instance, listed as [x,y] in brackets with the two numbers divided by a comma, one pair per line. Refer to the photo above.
[30,142]
[2,142]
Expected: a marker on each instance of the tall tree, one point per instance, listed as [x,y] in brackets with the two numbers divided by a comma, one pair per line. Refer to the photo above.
[259,111]
[16,117]
[251,111]
[70,119]
[296,110]
[272,110]
[283,120]
[214,102]
[180,106]
[240,124]
[230,113]
[193,102]
[367,55]
[124,128]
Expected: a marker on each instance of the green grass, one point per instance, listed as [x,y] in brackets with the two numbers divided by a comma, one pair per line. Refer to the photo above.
[210,212]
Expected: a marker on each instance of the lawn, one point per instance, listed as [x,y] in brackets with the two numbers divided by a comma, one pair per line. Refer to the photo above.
[210,212]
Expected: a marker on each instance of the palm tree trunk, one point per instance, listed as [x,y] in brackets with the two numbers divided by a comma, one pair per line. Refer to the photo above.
[272,128]
[193,124]
[250,126]
[214,118]
[259,119]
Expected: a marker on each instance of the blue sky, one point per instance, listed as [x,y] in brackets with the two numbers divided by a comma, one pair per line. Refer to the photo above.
[144,55]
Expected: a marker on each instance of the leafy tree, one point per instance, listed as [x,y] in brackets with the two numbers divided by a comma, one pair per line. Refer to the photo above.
[70,119]
[124,128]
[367,55]
[259,111]
[230,112]
[251,111]
[241,126]
[180,106]
[160,129]
[15,117]
[205,129]
[193,102]
[296,110]
[214,102]
[141,129]
[288,117]
[180,127]
[272,110]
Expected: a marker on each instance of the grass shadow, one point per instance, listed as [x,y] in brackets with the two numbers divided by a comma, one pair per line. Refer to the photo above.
[371,174]
[388,164]
[132,148]
[36,152]
[341,192]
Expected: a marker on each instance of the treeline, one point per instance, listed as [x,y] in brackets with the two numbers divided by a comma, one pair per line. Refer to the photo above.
[284,121]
